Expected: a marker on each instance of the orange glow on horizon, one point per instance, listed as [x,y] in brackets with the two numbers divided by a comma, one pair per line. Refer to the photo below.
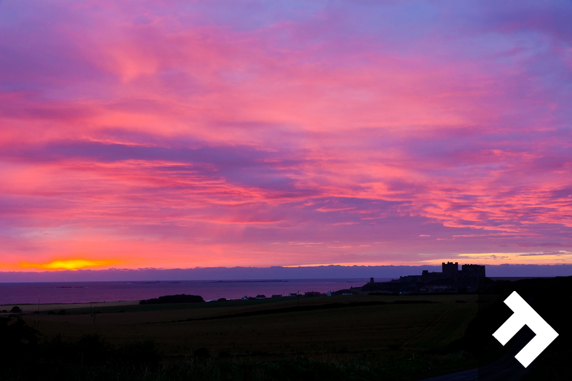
[176,137]
[69,264]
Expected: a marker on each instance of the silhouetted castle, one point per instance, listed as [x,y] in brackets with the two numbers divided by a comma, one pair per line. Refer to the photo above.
[451,279]
[450,271]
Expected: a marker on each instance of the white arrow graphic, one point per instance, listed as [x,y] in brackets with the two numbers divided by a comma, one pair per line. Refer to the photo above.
[523,315]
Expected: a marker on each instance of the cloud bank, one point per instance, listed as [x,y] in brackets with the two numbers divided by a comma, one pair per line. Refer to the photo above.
[243,133]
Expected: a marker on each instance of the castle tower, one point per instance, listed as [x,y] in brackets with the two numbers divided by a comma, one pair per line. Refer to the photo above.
[474,270]
[451,269]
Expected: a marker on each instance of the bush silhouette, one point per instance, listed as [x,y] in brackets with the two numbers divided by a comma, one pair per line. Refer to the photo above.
[17,337]
[16,310]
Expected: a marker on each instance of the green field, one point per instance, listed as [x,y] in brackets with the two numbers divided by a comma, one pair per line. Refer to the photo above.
[338,326]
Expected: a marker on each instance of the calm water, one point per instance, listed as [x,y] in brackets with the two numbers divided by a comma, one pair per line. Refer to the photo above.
[76,292]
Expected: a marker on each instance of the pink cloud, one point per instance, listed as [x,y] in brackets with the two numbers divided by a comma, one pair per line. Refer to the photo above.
[183,129]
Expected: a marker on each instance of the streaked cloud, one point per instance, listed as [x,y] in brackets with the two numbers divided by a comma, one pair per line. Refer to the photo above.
[218,133]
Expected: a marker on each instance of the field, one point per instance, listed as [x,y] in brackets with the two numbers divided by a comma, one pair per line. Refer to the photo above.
[357,337]
[338,326]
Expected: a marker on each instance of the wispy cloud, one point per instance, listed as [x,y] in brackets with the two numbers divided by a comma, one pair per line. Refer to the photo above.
[218,133]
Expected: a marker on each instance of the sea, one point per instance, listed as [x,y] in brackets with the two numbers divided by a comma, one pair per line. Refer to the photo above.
[86,292]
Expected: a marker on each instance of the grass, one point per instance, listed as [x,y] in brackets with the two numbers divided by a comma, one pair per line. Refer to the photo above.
[390,337]
[276,329]
[92,358]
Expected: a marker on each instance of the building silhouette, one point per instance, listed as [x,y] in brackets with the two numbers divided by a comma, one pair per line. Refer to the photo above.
[450,278]
[450,270]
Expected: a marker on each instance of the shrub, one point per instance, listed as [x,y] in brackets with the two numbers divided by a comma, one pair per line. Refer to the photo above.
[16,338]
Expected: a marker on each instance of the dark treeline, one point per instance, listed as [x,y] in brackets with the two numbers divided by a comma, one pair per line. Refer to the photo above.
[181,298]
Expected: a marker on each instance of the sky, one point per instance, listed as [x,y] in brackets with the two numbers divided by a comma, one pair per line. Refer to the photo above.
[182,134]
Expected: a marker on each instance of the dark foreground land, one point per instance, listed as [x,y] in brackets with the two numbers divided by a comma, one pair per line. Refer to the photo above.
[358,337]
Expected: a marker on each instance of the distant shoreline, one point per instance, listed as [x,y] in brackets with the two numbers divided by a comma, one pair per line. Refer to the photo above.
[85,292]
[130,299]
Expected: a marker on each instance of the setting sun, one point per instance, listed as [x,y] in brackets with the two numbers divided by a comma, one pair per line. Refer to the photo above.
[68,264]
